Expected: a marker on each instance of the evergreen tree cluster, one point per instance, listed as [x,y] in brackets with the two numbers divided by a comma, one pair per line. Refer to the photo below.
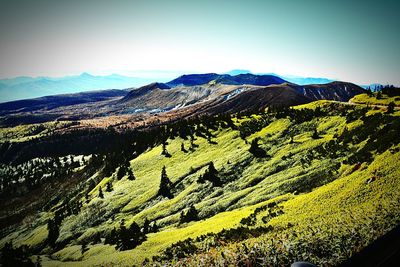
[126,238]
[11,256]
[256,150]
[211,174]
[391,91]
[19,179]
[191,215]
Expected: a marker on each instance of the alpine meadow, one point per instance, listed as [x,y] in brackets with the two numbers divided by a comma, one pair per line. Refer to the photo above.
[126,141]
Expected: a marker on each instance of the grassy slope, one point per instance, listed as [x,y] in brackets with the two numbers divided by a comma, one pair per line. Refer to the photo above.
[372,100]
[253,182]
[341,217]
[27,132]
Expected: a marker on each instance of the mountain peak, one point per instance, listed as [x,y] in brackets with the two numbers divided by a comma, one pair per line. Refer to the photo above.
[144,90]
[247,78]
[235,72]
[85,74]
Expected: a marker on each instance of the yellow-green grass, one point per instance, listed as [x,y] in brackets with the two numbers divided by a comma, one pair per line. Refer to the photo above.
[26,132]
[257,182]
[345,206]
[384,100]
[106,255]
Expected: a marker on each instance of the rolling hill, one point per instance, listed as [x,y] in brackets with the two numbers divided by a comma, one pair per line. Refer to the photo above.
[224,93]
[56,101]
[317,182]
[240,79]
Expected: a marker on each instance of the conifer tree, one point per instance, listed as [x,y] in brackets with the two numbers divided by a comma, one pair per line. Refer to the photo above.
[101,193]
[182,217]
[164,150]
[256,150]
[154,228]
[109,187]
[121,172]
[112,237]
[165,184]
[211,174]
[53,232]
[390,108]
[183,147]
[315,134]
[131,176]
[191,215]
[146,226]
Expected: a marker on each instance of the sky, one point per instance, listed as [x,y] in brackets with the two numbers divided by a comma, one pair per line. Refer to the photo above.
[357,41]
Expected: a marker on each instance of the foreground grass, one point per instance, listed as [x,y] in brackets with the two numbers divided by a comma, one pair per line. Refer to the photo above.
[339,219]
[323,197]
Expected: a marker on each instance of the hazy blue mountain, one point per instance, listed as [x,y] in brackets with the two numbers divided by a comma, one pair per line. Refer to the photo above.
[199,79]
[301,80]
[290,78]
[373,86]
[237,72]
[306,80]
[55,101]
[27,87]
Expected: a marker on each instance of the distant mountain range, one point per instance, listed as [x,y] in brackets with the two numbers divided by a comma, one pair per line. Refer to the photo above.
[28,87]
[290,78]
[189,95]
[52,102]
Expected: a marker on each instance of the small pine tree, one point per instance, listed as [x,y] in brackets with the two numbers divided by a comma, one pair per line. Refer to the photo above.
[211,168]
[182,217]
[379,95]
[183,148]
[315,134]
[101,193]
[164,150]
[211,174]
[154,228]
[131,176]
[53,232]
[121,172]
[165,184]
[146,226]
[109,187]
[390,108]
[256,150]
[112,237]
[191,215]
[84,248]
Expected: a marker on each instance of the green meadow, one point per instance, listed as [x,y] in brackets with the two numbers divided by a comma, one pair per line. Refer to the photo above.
[326,188]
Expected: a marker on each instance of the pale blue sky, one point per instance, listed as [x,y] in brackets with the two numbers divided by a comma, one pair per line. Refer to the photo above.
[354,41]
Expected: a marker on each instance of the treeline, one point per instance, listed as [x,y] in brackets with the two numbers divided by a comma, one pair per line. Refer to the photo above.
[22,178]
